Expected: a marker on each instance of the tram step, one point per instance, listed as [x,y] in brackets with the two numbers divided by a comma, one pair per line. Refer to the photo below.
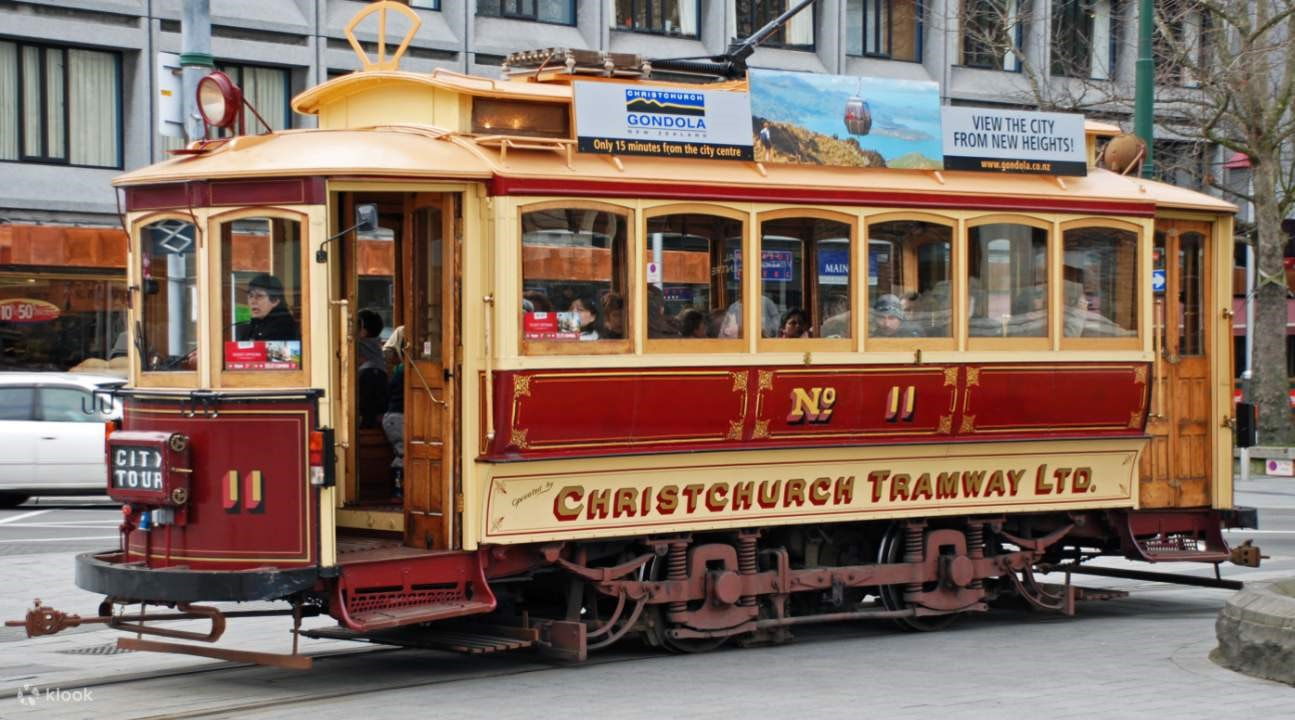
[383,618]
[469,639]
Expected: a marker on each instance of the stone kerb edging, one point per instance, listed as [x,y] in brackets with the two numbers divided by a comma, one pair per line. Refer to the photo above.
[1256,632]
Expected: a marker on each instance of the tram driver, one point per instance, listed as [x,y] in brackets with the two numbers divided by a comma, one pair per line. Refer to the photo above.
[271,318]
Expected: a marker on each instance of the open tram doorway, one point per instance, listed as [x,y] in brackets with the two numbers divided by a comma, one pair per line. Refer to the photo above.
[1175,469]
[394,372]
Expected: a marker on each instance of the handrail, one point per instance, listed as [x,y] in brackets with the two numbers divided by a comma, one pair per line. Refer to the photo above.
[487,327]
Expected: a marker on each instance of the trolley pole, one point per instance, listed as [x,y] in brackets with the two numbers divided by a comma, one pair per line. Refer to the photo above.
[195,62]
[1143,119]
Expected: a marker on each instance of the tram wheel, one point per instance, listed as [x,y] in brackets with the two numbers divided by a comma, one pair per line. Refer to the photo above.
[659,624]
[889,551]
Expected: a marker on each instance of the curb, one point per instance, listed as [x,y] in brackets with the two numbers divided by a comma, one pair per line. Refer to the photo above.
[1256,632]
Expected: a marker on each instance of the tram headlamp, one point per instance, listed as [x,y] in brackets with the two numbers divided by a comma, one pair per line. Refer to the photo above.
[219,99]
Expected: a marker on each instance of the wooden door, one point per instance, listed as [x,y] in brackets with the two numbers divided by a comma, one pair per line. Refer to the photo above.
[431,339]
[1175,468]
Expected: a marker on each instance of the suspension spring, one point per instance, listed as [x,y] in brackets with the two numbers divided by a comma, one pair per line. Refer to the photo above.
[976,548]
[746,562]
[914,535]
[677,569]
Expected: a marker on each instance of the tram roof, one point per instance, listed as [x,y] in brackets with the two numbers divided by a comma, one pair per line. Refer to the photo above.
[411,151]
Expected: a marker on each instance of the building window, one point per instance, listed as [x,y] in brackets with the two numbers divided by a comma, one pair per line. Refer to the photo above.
[991,34]
[795,34]
[267,89]
[425,4]
[664,17]
[885,28]
[1180,163]
[60,105]
[1083,38]
[1178,43]
[561,12]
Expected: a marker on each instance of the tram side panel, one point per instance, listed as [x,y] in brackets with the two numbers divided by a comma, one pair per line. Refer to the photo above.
[835,444]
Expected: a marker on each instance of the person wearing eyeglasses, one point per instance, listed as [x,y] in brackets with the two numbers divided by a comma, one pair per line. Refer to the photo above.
[271,318]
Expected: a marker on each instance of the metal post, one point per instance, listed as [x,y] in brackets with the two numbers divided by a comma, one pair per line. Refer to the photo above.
[195,62]
[1143,120]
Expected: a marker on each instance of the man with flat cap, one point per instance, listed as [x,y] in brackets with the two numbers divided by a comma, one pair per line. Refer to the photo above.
[890,320]
[271,319]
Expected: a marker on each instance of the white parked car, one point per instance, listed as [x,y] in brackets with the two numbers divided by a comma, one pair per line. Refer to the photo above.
[52,434]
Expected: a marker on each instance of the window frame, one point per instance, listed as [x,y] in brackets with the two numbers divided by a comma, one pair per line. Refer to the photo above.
[1051,284]
[919,30]
[618,27]
[135,311]
[771,42]
[816,344]
[744,344]
[21,126]
[1016,31]
[1141,260]
[1110,51]
[220,377]
[623,346]
[571,8]
[956,283]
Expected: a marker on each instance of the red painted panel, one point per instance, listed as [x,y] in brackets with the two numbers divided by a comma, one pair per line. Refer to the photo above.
[1055,398]
[500,185]
[585,413]
[227,532]
[279,191]
[167,197]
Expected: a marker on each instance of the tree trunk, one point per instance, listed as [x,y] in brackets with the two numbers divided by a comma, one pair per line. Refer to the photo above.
[1271,384]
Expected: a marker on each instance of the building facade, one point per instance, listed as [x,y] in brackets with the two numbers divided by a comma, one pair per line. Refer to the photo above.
[83,83]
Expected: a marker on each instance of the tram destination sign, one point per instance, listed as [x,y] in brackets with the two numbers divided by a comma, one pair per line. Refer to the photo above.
[700,124]
[136,467]
[1013,141]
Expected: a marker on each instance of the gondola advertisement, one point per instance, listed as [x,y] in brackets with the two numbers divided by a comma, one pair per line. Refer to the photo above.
[1014,141]
[699,124]
[812,119]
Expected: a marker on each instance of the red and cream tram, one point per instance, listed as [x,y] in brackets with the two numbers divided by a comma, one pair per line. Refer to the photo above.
[607,428]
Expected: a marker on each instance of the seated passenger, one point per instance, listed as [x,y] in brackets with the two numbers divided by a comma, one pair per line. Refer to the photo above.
[794,324]
[613,306]
[371,377]
[691,323]
[889,319]
[271,318]
[586,312]
[659,326]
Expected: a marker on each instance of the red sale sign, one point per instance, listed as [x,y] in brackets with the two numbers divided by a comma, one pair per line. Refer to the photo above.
[27,310]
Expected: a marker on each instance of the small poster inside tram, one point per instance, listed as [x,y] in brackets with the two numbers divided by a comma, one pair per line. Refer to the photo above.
[263,355]
[700,124]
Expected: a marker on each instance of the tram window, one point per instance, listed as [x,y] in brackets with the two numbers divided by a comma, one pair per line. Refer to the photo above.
[169,290]
[260,270]
[1191,294]
[1008,265]
[909,272]
[805,274]
[694,278]
[574,275]
[1101,282]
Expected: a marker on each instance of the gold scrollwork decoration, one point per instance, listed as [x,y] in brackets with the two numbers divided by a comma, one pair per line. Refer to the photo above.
[518,439]
[973,376]
[968,424]
[1140,375]
[950,376]
[522,385]
[1135,419]
[734,430]
[739,380]
[946,425]
[766,380]
[761,430]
